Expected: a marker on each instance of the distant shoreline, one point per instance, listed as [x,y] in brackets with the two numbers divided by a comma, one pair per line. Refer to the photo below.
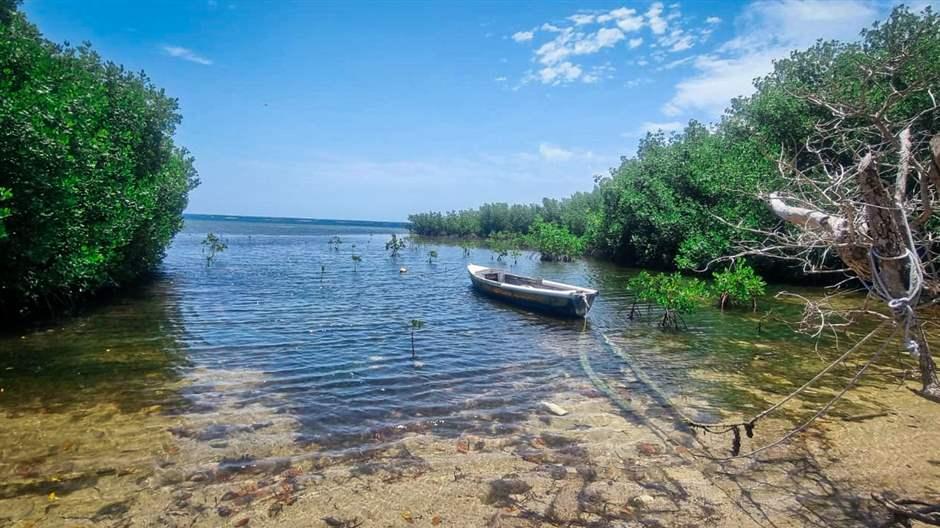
[288,220]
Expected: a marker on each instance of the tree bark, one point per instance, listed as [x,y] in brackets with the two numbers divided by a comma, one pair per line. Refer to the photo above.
[890,241]
[835,227]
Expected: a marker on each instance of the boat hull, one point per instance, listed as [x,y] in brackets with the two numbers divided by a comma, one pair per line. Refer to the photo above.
[568,305]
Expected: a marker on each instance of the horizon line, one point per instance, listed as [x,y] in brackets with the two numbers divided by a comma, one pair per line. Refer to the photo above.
[300,218]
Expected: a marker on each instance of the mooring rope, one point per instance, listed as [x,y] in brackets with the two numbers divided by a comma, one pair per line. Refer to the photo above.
[902,307]
[733,427]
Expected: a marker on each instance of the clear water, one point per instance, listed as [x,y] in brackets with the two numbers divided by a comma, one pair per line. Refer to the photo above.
[283,325]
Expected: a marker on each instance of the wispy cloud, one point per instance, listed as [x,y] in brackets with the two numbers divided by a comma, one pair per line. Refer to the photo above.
[713,20]
[767,30]
[554,153]
[667,126]
[523,36]
[186,54]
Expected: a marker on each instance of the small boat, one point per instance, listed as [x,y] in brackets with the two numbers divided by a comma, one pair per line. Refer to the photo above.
[536,294]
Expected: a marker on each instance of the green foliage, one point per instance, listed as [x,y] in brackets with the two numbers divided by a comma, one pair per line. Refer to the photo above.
[5,194]
[212,246]
[575,213]
[98,187]
[738,284]
[395,245]
[554,242]
[8,10]
[432,255]
[660,207]
[675,293]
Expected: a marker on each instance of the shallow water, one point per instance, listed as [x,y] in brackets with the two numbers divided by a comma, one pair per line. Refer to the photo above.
[282,349]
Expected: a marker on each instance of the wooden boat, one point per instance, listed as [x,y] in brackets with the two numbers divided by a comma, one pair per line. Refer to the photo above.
[536,294]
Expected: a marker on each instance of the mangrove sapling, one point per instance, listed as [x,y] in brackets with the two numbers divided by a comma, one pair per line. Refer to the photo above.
[676,294]
[431,256]
[395,245]
[212,246]
[334,243]
[356,260]
[739,284]
[466,249]
[554,242]
[515,254]
[414,325]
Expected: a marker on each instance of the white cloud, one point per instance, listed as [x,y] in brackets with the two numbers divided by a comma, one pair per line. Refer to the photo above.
[604,38]
[676,40]
[667,126]
[766,30]
[565,55]
[712,20]
[684,43]
[570,43]
[500,79]
[186,54]
[598,73]
[676,63]
[554,153]
[654,17]
[523,36]
[560,73]
[718,81]
[633,83]
[627,19]
[580,20]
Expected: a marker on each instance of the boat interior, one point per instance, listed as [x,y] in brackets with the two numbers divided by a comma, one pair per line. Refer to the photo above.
[518,280]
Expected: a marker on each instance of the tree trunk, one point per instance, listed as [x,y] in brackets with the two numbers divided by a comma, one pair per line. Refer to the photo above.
[888,232]
[837,228]
[928,369]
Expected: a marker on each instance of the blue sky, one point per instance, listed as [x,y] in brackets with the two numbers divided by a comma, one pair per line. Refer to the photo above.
[372,111]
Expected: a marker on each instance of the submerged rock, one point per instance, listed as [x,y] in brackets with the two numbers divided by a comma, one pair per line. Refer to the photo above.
[501,489]
[554,409]
[642,501]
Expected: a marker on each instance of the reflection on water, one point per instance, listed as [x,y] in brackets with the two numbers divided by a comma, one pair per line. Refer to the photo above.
[281,360]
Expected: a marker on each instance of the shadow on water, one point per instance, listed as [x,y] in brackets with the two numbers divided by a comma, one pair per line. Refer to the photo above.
[126,353]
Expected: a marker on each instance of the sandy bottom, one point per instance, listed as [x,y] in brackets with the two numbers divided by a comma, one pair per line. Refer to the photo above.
[601,464]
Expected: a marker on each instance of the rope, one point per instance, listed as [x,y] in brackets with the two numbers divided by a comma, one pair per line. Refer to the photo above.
[785,438]
[724,427]
[902,307]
